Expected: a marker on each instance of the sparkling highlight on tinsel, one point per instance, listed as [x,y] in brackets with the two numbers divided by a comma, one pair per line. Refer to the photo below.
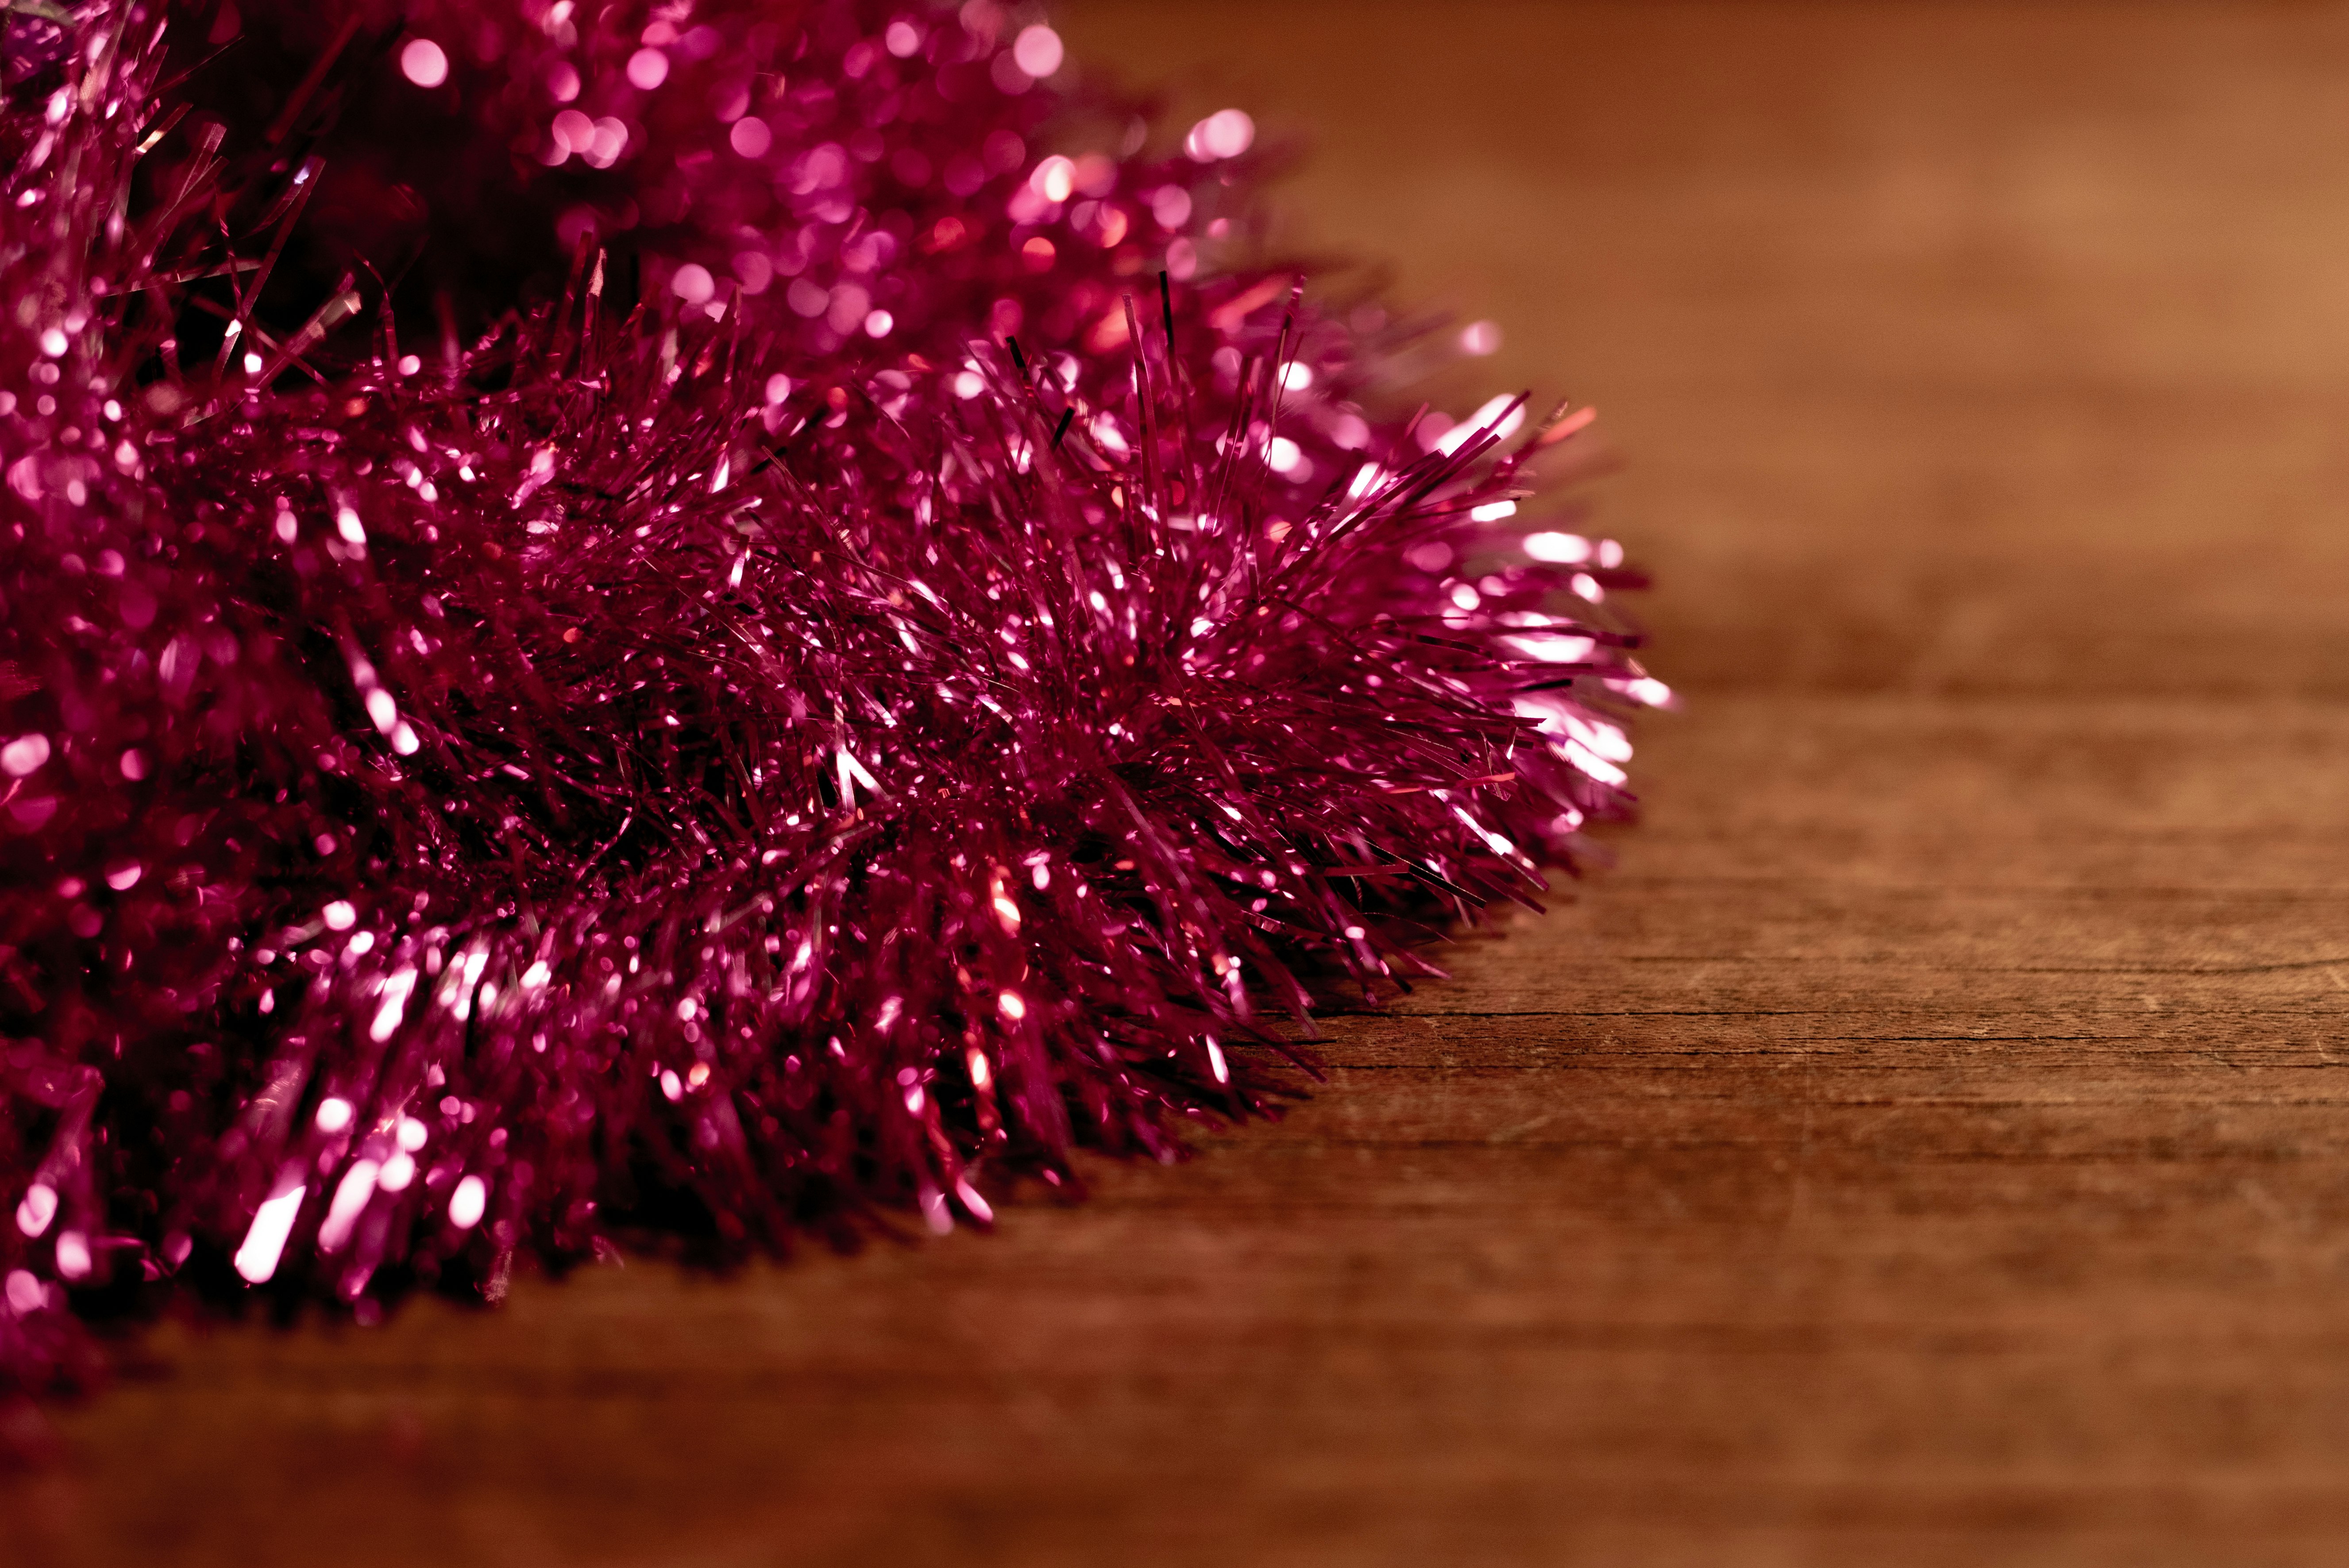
[698,620]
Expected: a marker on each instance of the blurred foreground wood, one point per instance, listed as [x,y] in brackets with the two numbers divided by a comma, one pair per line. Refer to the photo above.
[1931,1144]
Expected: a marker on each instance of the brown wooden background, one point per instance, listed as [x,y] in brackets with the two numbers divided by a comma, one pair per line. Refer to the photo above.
[1932,1146]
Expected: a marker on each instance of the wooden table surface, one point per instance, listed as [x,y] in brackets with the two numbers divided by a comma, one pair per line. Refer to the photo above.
[1931,1145]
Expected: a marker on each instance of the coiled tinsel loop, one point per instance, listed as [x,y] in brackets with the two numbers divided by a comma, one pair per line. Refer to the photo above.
[704,619]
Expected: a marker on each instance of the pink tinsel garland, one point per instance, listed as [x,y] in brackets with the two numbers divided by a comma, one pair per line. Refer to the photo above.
[654,618]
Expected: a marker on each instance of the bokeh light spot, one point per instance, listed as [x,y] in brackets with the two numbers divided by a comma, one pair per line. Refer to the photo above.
[424,62]
[647,68]
[750,136]
[1227,133]
[1037,50]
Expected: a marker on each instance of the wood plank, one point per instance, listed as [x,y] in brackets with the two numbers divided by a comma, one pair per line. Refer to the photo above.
[1811,1209]
[1954,346]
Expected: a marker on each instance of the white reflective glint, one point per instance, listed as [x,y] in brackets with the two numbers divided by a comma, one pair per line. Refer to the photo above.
[850,768]
[1054,178]
[350,1200]
[1591,763]
[1496,415]
[397,989]
[468,1203]
[457,989]
[1648,690]
[265,1241]
[1602,738]
[397,1173]
[24,754]
[1552,647]
[1559,549]
[38,1208]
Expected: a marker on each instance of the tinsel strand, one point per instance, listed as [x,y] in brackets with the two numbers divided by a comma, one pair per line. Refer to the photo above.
[650,621]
